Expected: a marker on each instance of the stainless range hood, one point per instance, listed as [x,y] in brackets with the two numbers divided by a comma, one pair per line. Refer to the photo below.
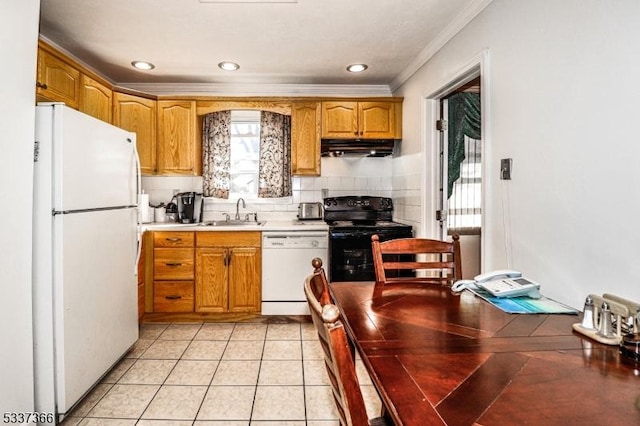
[357,147]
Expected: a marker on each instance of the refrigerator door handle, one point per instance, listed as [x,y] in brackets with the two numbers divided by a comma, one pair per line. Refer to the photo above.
[96,209]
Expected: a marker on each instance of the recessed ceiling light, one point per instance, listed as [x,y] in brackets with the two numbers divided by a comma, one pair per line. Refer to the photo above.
[142,65]
[357,67]
[228,66]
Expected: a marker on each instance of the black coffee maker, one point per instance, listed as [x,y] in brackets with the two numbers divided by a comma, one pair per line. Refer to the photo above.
[189,207]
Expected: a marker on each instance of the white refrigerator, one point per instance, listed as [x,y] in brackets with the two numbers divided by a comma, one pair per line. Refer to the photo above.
[85,246]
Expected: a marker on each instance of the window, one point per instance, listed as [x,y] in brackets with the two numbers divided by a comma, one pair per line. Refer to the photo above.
[464,204]
[245,153]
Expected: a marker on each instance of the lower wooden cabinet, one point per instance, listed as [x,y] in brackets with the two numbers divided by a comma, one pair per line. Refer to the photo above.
[141,278]
[205,272]
[228,272]
[173,271]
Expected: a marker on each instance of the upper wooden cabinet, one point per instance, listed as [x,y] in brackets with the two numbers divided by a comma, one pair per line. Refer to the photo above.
[305,138]
[57,81]
[179,147]
[137,114]
[361,119]
[95,98]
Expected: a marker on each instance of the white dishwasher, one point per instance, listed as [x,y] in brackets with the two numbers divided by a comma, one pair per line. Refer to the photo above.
[286,262]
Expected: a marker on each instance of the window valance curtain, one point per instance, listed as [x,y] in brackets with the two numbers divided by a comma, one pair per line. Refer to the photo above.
[274,170]
[216,154]
[464,120]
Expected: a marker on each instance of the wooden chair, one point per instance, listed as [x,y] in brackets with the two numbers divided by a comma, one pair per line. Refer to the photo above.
[338,352]
[439,259]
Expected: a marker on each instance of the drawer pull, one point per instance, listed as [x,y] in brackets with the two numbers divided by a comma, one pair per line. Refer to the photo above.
[173,263]
[173,297]
[173,239]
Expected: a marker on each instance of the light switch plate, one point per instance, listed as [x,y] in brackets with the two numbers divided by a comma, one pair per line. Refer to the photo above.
[505,168]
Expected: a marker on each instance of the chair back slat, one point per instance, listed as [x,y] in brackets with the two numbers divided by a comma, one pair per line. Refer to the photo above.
[439,261]
[419,265]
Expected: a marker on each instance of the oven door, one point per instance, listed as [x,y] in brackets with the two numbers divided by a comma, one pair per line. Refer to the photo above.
[351,256]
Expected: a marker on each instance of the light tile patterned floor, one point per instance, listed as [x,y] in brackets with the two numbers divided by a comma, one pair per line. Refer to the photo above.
[219,374]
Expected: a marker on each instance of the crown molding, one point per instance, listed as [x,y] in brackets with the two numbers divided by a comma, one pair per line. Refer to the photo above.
[258,89]
[458,23]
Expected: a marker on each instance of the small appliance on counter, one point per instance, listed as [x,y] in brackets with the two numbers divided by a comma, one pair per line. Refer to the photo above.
[160,213]
[310,211]
[172,210]
[189,207]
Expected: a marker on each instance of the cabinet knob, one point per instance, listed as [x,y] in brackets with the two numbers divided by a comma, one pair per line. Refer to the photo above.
[41,85]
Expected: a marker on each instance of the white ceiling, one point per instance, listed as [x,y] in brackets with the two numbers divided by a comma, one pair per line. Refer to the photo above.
[308,42]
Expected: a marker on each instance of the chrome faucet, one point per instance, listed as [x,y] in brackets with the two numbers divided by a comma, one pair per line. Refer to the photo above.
[238,207]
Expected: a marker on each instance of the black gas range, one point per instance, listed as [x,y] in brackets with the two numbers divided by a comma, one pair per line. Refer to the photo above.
[352,221]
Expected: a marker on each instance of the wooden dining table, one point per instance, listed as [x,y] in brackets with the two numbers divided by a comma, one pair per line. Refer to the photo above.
[439,358]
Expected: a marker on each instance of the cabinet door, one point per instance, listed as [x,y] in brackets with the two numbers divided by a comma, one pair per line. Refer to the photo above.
[244,280]
[138,115]
[57,81]
[211,280]
[95,98]
[178,145]
[305,138]
[376,120]
[339,120]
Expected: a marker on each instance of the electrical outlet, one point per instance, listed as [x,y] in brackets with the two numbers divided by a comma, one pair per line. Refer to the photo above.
[505,168]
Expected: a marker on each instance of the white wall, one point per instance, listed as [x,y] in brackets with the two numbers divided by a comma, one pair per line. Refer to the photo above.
[564,105]
[18,43]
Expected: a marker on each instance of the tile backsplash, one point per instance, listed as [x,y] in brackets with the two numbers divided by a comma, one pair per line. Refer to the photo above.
[340,176]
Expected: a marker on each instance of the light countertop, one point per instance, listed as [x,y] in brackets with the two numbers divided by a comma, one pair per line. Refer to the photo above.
[270,225]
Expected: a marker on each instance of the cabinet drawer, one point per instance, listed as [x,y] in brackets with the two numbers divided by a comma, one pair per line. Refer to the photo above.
[173,239]
[173,264]
[173,296]
[229,239]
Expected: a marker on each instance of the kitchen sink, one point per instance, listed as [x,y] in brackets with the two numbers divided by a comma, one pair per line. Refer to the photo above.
[231,223]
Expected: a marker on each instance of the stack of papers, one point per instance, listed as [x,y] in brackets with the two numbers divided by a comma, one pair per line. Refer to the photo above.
[524,304]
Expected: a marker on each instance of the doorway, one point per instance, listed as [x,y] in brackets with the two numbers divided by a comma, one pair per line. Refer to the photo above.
[460,174]
[454,191]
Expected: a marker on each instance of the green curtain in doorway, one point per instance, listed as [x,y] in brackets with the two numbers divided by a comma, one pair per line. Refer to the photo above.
[464,120]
